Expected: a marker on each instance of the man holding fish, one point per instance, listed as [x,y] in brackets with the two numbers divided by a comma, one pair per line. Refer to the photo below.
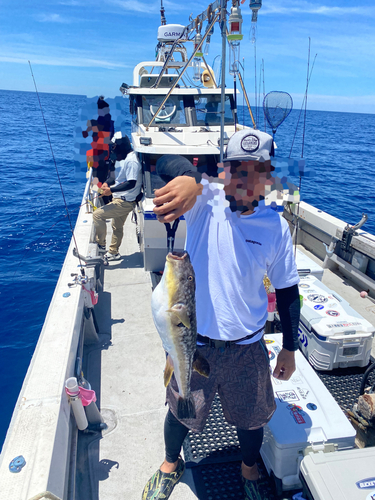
[214,338]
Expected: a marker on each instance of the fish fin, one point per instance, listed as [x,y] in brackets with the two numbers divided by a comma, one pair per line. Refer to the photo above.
[180,311]
[201,365]
[186,407]
[168,371]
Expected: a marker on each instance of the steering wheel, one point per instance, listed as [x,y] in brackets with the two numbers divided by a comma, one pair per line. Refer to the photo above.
[166,112]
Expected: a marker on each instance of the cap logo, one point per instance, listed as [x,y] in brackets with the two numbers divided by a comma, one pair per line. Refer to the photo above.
[250,143]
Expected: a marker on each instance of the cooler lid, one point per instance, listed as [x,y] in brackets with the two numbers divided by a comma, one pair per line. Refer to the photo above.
[343,475]
[327,312]
[305,265]
[306,412]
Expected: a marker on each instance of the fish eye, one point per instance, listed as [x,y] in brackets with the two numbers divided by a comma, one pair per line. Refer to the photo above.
[190,278]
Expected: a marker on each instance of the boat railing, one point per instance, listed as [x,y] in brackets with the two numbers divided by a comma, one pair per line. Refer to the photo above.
[41,429]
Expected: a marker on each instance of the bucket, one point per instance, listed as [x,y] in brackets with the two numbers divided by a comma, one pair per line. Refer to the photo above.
[271,302]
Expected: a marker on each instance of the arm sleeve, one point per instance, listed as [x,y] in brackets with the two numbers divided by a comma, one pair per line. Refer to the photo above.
[170,166]
[288,305]
[124,186]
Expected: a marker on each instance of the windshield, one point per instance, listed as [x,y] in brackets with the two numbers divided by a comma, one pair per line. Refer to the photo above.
[172,112]
[177,110]
[208,110]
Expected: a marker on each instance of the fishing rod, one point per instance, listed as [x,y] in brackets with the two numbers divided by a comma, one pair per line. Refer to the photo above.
[303,102]
[57,172]
[303,138]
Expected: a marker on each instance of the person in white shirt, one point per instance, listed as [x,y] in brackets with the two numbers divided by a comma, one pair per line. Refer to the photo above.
[233,239]
[124,188]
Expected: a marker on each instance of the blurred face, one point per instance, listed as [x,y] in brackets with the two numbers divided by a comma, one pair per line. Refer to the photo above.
[245,182]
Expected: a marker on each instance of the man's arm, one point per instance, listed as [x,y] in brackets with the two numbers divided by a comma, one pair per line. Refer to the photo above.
[288,305]
[180,193]
[176,198]
[124,186]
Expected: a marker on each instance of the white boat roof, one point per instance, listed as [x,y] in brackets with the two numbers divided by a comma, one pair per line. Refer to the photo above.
[179,91]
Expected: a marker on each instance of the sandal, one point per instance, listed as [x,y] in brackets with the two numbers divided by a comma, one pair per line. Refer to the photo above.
[161,484]
[254,490]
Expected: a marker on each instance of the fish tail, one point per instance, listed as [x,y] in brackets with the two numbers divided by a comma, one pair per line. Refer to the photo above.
[186,407]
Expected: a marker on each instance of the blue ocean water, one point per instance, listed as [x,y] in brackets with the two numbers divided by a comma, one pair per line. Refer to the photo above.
[35,231]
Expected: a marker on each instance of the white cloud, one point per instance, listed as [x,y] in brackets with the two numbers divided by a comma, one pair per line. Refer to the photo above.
[52,18]
[304,7]
[66,57]
[151,7]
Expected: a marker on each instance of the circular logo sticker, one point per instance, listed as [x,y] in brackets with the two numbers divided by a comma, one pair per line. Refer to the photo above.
[271,355]
[318,307]
[250,143]
[331,312]
[314,297]
[371,496]
[304,285]
[311,406]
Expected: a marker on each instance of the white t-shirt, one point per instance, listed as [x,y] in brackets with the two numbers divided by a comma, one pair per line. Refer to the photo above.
[230,255]
[128,170]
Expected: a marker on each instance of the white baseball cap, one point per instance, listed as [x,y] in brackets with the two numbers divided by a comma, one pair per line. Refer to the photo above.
[249,144]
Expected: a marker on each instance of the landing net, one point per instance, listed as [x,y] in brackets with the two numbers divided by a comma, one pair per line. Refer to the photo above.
[277,106]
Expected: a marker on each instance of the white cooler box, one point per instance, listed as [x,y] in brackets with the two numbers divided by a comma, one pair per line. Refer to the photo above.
[307,417]
[331,333]
[342,475]
[305,265]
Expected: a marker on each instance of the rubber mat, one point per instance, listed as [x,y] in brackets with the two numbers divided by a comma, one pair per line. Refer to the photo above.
[216,443]
[344,385]
[223,481]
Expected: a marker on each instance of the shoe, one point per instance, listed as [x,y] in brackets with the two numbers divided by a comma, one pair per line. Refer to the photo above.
[101,248]
[254,490]
[161,484]
[112,256]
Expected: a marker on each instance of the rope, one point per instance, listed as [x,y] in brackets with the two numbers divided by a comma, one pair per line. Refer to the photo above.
[44,496]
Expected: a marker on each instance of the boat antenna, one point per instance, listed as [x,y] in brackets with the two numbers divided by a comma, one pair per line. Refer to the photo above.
[57,171]
[162,11]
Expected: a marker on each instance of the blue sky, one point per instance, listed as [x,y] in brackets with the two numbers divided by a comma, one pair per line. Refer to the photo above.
[91,47]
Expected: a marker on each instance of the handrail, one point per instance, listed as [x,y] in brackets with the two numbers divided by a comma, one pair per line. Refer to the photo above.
[183,71]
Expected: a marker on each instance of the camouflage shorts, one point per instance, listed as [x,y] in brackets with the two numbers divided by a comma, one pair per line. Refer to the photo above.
[240,374]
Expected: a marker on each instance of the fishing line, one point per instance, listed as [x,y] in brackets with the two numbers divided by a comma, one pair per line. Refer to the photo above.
[61,218]
[255,78]
[303,138]
[57,172]
[243,94]
[307,86]
[303,102]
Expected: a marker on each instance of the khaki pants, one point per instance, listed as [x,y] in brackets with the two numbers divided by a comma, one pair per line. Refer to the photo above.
[118,210]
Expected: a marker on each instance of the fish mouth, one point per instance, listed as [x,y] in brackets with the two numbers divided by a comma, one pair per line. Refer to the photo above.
[176,256]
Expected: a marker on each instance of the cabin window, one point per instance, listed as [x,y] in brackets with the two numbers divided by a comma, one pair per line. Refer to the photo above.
[171,114]
[203,163]
[208,108]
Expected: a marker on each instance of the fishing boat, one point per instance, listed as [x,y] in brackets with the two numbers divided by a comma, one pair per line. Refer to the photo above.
[99,327]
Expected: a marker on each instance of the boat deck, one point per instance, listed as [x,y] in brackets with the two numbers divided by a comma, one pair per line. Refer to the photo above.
[126,370]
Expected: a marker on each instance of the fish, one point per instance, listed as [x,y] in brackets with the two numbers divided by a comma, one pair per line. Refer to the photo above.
[174,314]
